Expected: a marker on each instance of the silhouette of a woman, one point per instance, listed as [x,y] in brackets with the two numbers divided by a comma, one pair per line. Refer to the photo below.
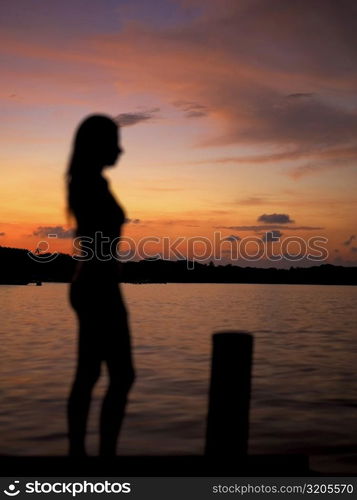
[95,294]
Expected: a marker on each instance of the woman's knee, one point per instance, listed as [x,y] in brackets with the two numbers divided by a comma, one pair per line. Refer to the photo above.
[123,381]
[86,379]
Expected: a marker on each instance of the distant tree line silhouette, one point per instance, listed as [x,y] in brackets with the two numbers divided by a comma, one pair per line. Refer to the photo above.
[16,266]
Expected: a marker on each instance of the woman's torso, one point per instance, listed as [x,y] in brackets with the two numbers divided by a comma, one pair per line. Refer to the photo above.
[99,219]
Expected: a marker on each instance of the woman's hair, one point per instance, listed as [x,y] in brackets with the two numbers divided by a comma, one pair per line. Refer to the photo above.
[95,137]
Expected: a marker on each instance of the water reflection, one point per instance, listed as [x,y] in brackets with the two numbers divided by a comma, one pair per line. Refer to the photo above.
[304,381]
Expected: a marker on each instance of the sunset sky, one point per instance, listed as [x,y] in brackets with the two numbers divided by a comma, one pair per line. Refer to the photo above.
[232,111]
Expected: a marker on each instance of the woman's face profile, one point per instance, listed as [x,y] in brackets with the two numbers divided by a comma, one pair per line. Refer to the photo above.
[113,150]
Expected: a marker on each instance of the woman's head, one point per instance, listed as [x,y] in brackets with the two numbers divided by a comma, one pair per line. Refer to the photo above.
[95,146]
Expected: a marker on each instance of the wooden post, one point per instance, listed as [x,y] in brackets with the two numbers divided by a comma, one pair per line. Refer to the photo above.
[229,396]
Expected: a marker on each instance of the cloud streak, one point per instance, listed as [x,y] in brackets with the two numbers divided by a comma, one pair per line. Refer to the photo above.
[53,232]
[191,109]
[130,119]
[275,218]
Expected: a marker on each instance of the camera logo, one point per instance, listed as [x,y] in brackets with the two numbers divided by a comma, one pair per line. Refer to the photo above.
[13,489]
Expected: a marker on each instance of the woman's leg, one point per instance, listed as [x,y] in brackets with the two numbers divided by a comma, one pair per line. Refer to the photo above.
[113,410]
[87,374]
[121,378]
